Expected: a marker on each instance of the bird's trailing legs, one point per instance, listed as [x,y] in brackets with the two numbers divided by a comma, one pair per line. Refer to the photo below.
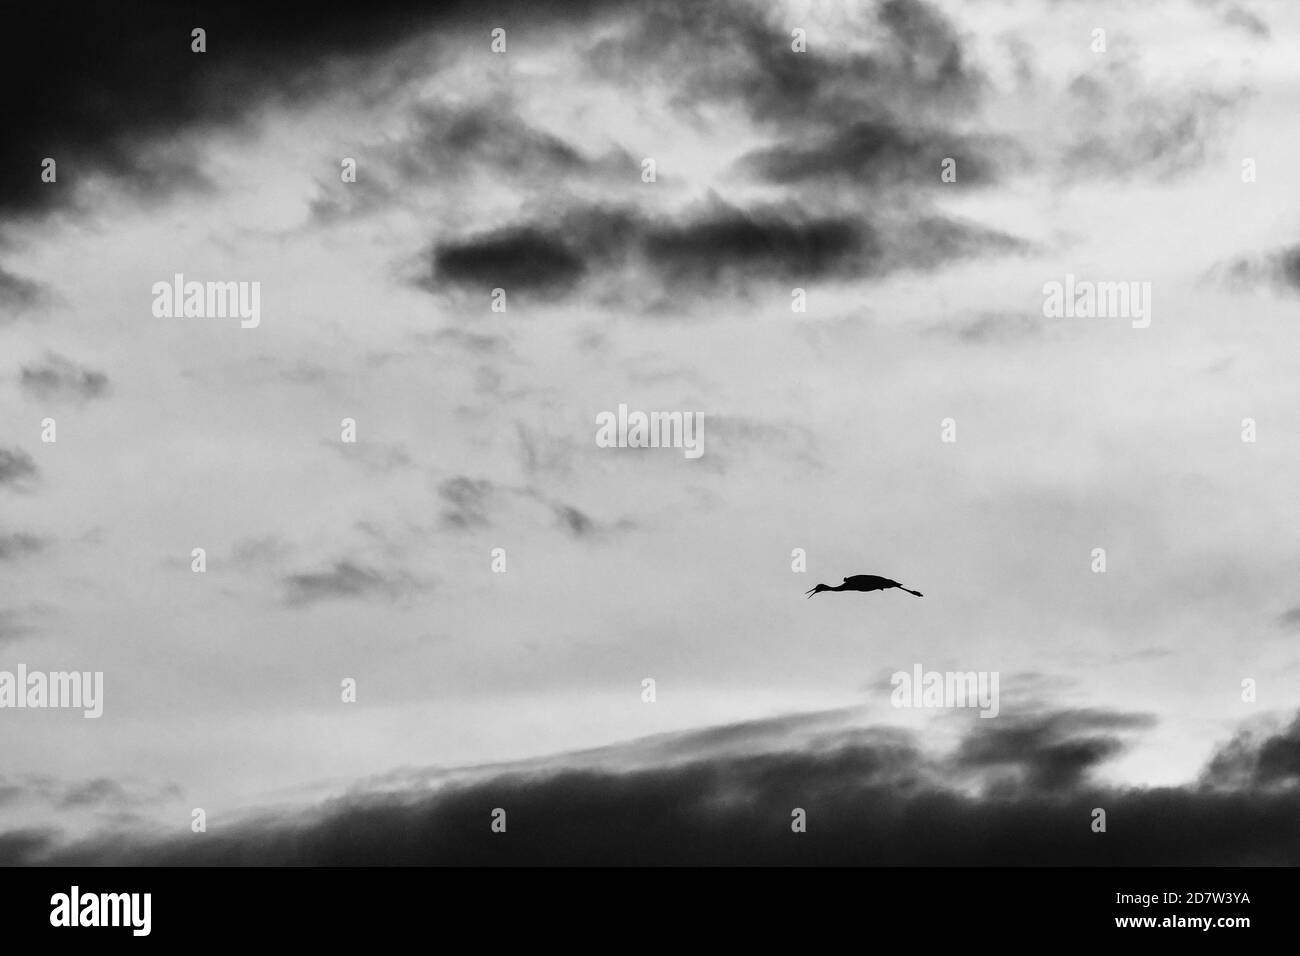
[863,582]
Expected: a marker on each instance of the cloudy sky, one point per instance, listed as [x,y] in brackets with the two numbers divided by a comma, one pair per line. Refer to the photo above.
[775,170]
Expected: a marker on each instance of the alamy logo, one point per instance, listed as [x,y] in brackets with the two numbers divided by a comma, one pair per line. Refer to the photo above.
[103,909]
[1098,300]
[683,430]
[208,300]
[71,689]
[923,688]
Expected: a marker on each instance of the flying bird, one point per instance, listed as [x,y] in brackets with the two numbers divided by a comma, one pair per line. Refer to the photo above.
[864,582]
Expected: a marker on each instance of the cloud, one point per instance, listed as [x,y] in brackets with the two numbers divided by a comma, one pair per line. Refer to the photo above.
[1278,269]
[466,501]
[488,136]
[478,343]
[17,293]
[1157,133]
[781,244]
[58,377]
[1248,21]
[725,795]
[81,806]
[709,243]
[77,93]
[461,143]
[346,579]
[21,544]
[1256,759]
[526,258]
[997,328]
[375,457]
[20,845]
[574,521]
[873,153]
[1279,758]
[15,623]
[932,241]
[16,468]
[261,551]
[1238,16]
[1288,266]
[1048,752]
[92,792]
[725,53]
[735,438]
[469,501]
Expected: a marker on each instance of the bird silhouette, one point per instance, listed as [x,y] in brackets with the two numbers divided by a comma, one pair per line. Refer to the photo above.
[864,582]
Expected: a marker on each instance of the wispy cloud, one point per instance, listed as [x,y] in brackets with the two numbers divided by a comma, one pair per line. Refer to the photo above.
[59,377]
[17,469]
[20,544]
[344,580]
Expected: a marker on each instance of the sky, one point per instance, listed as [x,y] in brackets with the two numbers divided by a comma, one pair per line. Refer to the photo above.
[823,429]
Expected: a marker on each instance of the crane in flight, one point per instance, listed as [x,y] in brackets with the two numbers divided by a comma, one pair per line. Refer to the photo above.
[864,582]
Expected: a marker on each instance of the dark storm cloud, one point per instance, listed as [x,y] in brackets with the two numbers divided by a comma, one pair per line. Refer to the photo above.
[725,796]
[1279,757]
[1048,752]
[700,247]
[730,52]
[98,86]
[523,258]
[1255,759]
[346,579]
[763,242]
[17,846]
[16,467]
[926,49]
[707,243]
[1290,618]
[871,117]
[877,152]
[58,377]
[21,544]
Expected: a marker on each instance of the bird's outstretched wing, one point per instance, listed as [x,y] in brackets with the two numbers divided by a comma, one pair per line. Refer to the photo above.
[873,579]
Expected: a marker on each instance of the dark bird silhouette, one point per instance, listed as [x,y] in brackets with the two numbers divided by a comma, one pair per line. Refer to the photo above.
[864,582]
